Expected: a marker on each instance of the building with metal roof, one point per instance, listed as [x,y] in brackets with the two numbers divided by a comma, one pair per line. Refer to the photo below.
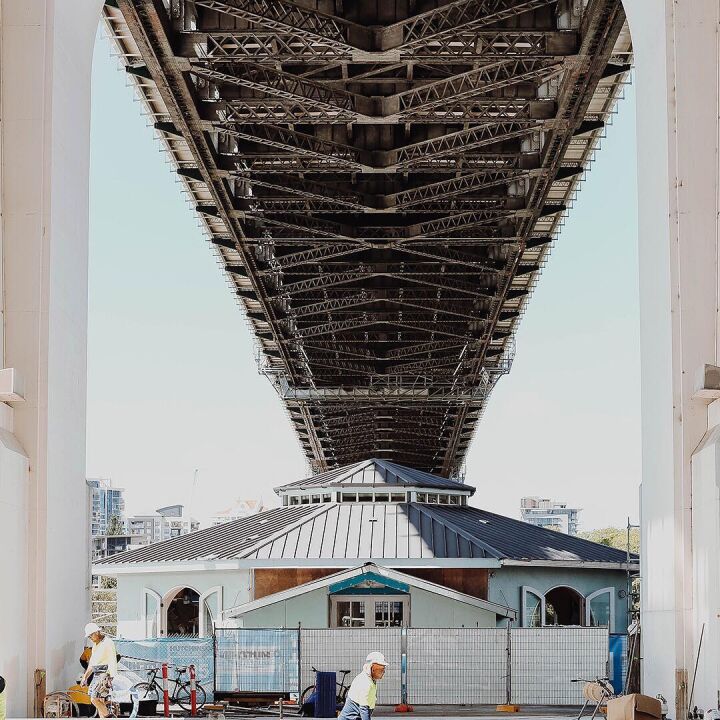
[397,518]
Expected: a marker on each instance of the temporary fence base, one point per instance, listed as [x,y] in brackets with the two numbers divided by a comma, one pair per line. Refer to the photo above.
[508,708]
[403,708]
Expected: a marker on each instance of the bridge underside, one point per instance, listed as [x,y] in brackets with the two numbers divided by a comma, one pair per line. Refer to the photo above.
[382,182]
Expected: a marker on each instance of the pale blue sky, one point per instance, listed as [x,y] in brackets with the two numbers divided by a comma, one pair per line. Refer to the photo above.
[172,382]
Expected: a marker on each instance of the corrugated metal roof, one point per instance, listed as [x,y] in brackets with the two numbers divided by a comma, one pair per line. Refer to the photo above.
[377,472]
[517,540]
[228,540]
[378,531]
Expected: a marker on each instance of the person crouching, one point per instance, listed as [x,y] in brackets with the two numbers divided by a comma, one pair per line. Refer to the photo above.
[362,695]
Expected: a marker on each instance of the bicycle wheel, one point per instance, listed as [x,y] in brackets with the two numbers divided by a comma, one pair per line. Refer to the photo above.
[148,698]
[182,696]
[307,708]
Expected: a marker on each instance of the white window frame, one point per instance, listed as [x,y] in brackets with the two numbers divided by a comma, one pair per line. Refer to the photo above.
[525,591]
[202,605]
[150,593]
[603,591]
[369,601]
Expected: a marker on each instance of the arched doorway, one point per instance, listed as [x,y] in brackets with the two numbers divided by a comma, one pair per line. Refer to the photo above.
[182,613]
[564,606]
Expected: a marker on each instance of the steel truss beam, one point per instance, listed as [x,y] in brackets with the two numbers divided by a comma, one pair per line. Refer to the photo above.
[287,17]
[293,47]
[308,146]
[461,185]
[351,201]
[447,21]
[285,86]
[459,142]
[481,81]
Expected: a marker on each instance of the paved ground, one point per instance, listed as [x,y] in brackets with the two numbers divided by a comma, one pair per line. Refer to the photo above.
[444,712]
[447,712]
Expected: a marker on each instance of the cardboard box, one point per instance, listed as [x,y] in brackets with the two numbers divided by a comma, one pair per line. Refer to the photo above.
[634,707]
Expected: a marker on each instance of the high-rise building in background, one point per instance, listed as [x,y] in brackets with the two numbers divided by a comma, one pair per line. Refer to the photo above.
[549,514]
[107,502]
[239,509]
[163,524]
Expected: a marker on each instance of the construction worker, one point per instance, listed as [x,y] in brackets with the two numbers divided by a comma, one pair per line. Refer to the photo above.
[102,666]
[362,695]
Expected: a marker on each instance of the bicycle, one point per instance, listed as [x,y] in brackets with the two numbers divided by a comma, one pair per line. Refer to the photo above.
[306,696]
[152,689]
[598,691]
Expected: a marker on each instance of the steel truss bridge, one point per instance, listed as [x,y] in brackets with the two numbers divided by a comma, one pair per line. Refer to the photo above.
[382,181]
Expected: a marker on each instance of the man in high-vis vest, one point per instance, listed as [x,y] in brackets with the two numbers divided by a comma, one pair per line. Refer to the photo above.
[362,695]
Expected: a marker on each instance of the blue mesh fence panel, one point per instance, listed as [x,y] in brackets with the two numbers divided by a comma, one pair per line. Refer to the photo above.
[617,667]
[137,655]
[257,660]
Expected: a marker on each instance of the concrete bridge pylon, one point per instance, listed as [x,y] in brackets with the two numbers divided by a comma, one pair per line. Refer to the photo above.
[675,47]
[46,50]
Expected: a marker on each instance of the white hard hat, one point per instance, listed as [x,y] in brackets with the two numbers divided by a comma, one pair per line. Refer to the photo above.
[376,658]
[91,628]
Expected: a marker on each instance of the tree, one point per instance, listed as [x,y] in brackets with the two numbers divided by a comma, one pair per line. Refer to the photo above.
[115,526]
[615,538]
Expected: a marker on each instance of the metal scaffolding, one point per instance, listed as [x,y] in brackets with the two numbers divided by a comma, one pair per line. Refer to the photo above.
[382,187]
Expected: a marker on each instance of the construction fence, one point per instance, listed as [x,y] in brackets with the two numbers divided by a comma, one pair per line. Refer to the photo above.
[428,666]
[449,666]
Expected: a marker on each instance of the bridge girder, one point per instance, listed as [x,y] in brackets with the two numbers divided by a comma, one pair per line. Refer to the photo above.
[382,189]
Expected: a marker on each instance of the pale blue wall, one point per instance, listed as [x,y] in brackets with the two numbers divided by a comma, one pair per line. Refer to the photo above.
[429,610]
[309,609]
[236,586]
[505,587]
[312,611]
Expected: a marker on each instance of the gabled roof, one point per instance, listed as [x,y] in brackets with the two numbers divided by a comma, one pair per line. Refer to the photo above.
[376,472]
[393,578]
[365,531]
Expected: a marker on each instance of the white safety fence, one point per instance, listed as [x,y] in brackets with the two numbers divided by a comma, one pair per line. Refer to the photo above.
[346,649]
[466,666]
[458,666]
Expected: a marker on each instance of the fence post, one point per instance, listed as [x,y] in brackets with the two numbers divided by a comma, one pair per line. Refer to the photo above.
[193,692]
[403,706]
[215,649]
[299,647]
[166,696]
[508,706]
[508,672]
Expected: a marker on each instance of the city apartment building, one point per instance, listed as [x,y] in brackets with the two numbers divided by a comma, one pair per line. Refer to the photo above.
[165,523]
[548,514]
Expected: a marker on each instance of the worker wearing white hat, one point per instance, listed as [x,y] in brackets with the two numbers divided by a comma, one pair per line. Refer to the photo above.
[362,695]
[103,667]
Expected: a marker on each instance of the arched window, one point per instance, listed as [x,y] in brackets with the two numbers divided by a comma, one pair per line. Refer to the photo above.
[564,606]
[182,613]
[533,607]
[151,606]
[211,604]
[600,608]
